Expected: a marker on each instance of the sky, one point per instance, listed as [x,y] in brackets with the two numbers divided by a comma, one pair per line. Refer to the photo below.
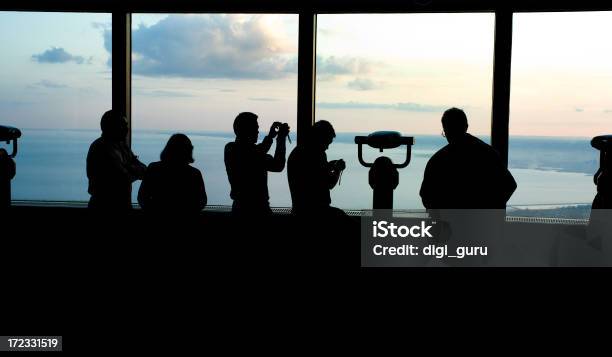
[374,72]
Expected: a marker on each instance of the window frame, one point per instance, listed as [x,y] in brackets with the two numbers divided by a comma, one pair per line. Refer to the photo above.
[307,11]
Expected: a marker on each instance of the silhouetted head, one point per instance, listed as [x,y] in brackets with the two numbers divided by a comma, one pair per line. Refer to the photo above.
[178,150]
[455,124]
[246,127]
[322,134]
[114,126]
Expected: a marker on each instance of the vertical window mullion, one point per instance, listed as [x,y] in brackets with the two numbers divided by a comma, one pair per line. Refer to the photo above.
[500,114]
[122,66]
[306,72]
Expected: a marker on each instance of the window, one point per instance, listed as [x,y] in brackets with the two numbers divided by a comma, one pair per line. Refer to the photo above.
[55,83]
[400,72]
[561,80]
[194,73]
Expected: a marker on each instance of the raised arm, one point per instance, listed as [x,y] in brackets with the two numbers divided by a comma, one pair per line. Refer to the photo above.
[277,163]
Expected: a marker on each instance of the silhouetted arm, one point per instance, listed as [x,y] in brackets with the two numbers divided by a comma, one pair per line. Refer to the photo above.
[265,145]
[233,169]
[277,163]
[104,162]
[426,186]
[596,176]
[144,197]
[332,175]
[202,198]
[135,167]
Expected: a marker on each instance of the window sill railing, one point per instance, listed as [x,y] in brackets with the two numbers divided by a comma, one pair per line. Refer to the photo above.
[284,211]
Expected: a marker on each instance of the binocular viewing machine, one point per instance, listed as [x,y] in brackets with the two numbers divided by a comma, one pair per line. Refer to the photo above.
[383,176]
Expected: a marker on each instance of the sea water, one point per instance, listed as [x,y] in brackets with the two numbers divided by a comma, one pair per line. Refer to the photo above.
[549,171]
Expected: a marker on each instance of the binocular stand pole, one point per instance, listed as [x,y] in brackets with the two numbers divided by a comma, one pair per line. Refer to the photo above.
[383,178]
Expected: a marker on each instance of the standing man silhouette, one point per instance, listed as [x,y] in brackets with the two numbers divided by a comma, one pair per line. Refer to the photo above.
[247,164]
[466,173]
[112,167]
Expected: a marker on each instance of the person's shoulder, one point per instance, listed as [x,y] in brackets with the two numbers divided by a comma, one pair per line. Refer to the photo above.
[97,143]
[473,140]
[230,148]
[98,147]
[441,153]
[155,165]
[484,147]
[193,170]
[296,154]
[155,168]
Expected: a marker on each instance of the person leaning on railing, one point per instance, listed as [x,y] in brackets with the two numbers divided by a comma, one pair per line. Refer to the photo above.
[172,186]
[112,167]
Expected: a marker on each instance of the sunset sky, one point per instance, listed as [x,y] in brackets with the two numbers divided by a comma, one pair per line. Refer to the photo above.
[397,72]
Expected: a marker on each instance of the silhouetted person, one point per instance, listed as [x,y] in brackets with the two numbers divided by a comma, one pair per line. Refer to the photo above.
[172,186]
[311,176]
[599,231]
[247,164]
[466,173]
[7,172]
[603,180]
[112,167]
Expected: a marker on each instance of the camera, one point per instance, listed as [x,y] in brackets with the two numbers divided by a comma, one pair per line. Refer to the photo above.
[281,127]
[339,165]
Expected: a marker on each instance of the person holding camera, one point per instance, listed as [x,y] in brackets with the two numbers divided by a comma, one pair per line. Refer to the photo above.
[247,164]
[311,176]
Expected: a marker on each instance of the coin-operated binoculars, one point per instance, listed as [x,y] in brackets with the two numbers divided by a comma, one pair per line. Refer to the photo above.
[7,165]
[603,143]
[383,176]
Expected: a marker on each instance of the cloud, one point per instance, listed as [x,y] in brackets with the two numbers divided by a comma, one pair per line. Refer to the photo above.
[329,68]
[363,84]
[579,110]
[58,55]
[210,46]
[264,99]
[409,107]
[50,84]
[107,34]
[345,65]
[163,93]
